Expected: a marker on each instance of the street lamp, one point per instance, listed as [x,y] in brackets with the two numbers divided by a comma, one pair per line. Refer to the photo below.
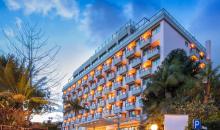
[154,127]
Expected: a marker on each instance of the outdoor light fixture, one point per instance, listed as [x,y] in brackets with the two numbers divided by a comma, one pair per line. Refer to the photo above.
[154,127]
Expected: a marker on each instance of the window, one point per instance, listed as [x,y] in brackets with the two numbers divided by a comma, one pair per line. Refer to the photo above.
[155,30]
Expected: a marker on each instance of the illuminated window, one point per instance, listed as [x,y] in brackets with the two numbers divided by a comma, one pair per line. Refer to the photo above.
[119,54]
[146,35]
[147,64]
[131,45]
[202,65]
[192,45]
[194,58]
[201,54]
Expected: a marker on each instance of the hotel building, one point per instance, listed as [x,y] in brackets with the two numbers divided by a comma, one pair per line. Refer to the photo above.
[110,82]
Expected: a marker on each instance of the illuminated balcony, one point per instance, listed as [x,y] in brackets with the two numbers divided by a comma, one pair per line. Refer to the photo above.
[117,85]
[98,73]
[129,106]
[136,90]
[90,118]
[110,76]
[94,86]
[130,79]
[107,113]
[117,61]
[101,104]
[122,70]
[145,43]
[145,72]
[98,94]
[153,53]
[93,106]
[135,63]
[106,90]
[90,98]
[130,53]
[101,82]
[123,96]
[84,83]
[107,68]
[91,79]
[194,52]
[111,100]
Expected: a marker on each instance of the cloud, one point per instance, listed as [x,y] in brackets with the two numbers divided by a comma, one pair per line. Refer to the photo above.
[63,8]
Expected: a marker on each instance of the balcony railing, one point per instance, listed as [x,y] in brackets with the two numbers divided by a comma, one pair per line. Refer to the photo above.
[117,61]
[98,94]
[153,53]
[123,96]
[136,90]
[145,43]
[101,82]
[106,90]
[107,113]
[93,106]
[86,90]
[130,79]
[117,110]
[111,100]
[110,76]
[122,70]
[83,119]
[145,72]
[84,83]
[98,73]
[117,85]
[129,107]
[94,86]
[90,118]
[98,116]
[135,63]
[101,104]
[90,78]
[107,68]
[90,98]
[130,53]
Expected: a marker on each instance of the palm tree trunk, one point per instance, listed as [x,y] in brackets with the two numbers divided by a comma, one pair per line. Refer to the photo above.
[207,93]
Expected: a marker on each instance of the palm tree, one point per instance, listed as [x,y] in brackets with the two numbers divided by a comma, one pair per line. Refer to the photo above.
[74,105]
[16,89]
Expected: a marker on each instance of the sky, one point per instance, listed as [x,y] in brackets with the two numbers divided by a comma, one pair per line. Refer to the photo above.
[81,26]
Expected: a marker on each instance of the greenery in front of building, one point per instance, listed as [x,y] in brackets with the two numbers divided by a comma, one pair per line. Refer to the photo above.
[181,86]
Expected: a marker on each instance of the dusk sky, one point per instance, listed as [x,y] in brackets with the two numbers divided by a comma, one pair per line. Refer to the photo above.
[80,26]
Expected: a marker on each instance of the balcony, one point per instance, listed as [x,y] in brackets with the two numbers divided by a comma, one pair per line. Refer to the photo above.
[107,113]
[93,106]
[101,104]
[98,116]
[194,52]
[83,120]
[107,68]
[122,70]
[98,94]
[98,73]
[94,86]
[86,90]
[130,53]
[139,103]
[135,117]
[74,97]
[123,96]
[130,79]
[106,90]
[135,63]
[117,85]
[145,72]
[117,61]
[77,87]
[89,118]
[80,93]
[111,77]
[84,83]
[90,98]
[111,100]
[136,90]
[145,43]
[90,79]
[101,82]
[153,53]
[77,121]
[129,107]
[117,110]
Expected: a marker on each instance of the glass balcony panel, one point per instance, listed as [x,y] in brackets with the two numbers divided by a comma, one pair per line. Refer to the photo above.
[122,70]
[145,43]
[117,61]
[136,62]
[130,53]
[130,79]
[111,77]
[117,85]
[145,72]
[152,53]
[129,106]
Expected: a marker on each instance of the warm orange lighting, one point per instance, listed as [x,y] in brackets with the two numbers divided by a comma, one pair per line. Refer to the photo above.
[100,109]
[64,92]
[146,35]
[79,116]
[92,111]
[119,54]
[86,114]
[74,118]
[74,85]
[69,89]
[192,45]
[147,64]
[119,78]
[201,54]
[109,61]
[92,73]
[99,67]
[69,120]
[108,84]
[132,72]
[109,106]
[100,88]
[131,45]
[92,92]
[194,58]
[64,121]
[156,43]
[85,77]
[85,96]
[118,104]
[202,65]
[79,81]
[131,99]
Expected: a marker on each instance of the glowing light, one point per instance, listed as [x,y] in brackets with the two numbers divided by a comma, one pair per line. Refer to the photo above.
[154,127]
[92,111]
[194,58]
[131,45]
[201,54]
[202,65]
[192,45]
[108,84]
[85,77]
[131,72]
[118,103]
[109,106]
[74,85]
[109,61]
[119,78]
[147,64]
[100,109]
[79,81]
[92,92]
[100,88]
[156,43]
[85,96]
[92,73]
[146,35]
[119,54]
[64,92]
